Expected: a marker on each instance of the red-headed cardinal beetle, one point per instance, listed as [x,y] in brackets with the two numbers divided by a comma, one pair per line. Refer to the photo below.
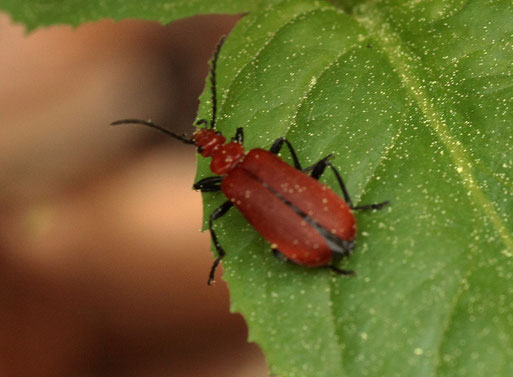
[304,221]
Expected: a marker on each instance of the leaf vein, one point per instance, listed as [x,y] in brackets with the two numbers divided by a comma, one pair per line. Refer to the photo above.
[399,58]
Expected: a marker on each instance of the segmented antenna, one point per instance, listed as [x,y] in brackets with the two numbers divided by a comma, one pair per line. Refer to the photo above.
[213,68]
[153,125]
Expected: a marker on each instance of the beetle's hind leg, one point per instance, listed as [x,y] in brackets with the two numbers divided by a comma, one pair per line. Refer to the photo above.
[337,258]
[367,207]
[279,255]
[339,271]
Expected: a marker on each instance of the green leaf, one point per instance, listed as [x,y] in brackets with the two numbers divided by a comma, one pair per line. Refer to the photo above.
[414,99]
[37,13]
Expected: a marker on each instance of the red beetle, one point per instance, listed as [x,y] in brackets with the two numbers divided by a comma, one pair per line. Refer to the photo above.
[304,221]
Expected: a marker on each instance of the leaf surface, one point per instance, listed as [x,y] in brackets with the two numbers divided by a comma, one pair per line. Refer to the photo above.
[415,102]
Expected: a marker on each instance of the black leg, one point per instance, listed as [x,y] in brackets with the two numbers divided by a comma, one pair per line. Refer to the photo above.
[220,211]
[339,270]
[311,167]
[318,170]
[239,136]
[277,253]
[367,207]
[278,144]
[209,184]
[202,121]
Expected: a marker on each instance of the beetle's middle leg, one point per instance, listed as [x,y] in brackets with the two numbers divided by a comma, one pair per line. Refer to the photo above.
[220,211]
[319,168]
[276,148]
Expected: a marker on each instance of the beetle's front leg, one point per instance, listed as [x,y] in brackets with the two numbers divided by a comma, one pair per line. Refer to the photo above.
[239,136]
[209,184]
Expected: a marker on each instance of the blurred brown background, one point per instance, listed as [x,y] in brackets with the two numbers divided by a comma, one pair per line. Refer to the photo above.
[102,266]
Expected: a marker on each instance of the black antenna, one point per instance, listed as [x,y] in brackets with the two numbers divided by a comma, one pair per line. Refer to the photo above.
[153,125]
[213,68]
